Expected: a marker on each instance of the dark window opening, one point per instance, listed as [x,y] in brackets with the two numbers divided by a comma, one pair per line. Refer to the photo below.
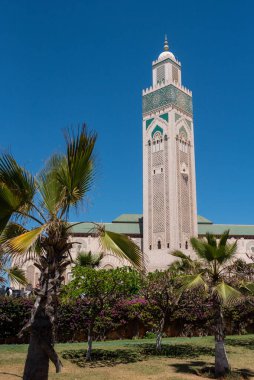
[150,247]
[159,244]
[154,172]
[186,245]
[180,245]
[161,169]
[167,245]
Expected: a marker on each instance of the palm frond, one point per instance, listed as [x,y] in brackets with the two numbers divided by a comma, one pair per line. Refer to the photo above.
[223,239]
[227,294]
[18,181]
[16,275]
[202,249]
[12,230]
[211,240]
[122,246]
[22,243]
[9,203]
[250,287]
[181,255]
[190,282]
[76,173]
[87,259]
[51,190]
[227,252]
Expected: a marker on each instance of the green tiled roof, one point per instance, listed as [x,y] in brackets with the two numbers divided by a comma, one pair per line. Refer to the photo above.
[122,228]
[132,224]
[129,218]
[203,220]
[234,229]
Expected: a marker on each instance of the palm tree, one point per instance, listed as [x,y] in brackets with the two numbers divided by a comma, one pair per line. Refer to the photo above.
[185,265]
[215,255]
[9,273]
[89,260]
[34,225]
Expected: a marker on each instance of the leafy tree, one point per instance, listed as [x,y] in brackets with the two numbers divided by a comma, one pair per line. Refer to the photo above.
[34,225]
[160,292]
[215,256]
[87,259]
[101,289]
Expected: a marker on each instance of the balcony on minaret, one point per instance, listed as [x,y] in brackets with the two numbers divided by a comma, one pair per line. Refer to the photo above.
[166,69]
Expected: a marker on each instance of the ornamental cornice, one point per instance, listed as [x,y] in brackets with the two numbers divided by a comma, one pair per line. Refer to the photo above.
[167,95]
[164,60]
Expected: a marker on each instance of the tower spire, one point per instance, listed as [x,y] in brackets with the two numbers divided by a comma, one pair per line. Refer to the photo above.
[166,48]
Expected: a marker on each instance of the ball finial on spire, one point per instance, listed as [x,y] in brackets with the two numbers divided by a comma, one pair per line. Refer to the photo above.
[166,48]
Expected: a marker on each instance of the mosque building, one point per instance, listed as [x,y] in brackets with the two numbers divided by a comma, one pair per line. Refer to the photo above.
[169,217]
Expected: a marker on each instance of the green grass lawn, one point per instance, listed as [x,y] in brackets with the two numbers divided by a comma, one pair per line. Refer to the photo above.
[181,359]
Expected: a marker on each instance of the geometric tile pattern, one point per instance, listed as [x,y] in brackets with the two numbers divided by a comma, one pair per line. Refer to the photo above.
[165,96]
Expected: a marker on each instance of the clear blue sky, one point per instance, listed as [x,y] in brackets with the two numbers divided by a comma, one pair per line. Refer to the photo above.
[65,62]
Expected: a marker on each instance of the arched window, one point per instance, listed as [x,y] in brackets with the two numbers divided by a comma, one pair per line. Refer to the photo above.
[186,245]
[183,144]
[159,244]
[157,142]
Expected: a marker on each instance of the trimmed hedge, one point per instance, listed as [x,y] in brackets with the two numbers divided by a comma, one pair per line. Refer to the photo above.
[128,319]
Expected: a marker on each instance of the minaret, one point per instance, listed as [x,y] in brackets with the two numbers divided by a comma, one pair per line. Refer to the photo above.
[169,184]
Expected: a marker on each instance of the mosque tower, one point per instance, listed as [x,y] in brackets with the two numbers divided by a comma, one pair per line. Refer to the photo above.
[169,183]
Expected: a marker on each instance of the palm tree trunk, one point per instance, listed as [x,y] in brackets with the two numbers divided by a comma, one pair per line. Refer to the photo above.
[41,323]
[40,349]
[221,360]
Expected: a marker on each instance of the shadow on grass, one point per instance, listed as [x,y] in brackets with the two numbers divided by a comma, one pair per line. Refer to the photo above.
[246,343]
[181,351]
[193,367]
[102,358]
[139,352]
[201,368]
[11,374]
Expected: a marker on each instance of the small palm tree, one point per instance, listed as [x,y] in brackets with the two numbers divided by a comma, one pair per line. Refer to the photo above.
[215,255]
[89,260]
[34,225]
[185,265]
[9,273]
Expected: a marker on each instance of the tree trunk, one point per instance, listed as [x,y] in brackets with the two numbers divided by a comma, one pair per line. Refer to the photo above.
[41,323]
[159,334]
[89,343]
[40,349]
[221,361]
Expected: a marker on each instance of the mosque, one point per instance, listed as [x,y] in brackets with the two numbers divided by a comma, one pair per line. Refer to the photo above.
[169,217]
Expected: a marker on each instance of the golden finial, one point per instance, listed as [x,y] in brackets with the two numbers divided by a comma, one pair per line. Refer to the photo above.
[166,48]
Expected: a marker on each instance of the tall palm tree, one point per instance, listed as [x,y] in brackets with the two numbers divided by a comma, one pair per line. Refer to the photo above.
[34,225]
[215,255]
[9,273]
